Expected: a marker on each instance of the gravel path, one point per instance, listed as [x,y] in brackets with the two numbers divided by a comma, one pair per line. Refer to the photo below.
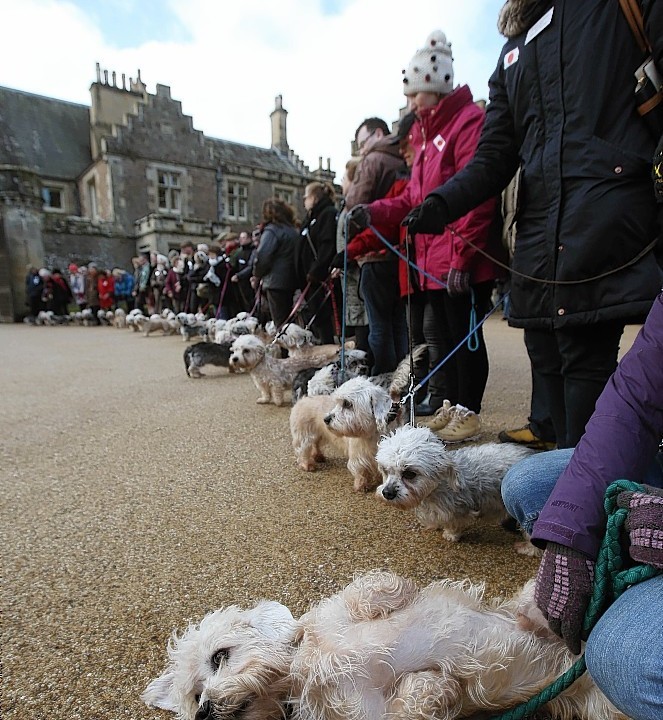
[135,500]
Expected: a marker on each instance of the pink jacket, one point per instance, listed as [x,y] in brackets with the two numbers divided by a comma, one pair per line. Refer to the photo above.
[445,137]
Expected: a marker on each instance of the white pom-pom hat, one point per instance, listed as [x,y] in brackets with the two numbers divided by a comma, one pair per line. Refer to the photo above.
[431,68]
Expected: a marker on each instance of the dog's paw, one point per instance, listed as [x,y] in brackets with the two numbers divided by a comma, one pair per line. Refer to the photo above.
[526,548]
[450,535]
[262,401]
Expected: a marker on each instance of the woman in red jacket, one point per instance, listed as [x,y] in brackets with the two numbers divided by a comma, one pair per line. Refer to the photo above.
[106,287]
[445,136]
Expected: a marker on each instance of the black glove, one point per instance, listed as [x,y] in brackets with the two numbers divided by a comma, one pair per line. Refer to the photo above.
[360,216]
[337,261]
[657,172]
[430,217]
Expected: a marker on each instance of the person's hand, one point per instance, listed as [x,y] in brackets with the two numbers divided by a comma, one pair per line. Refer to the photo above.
[458,282]
[644,524]
[338,261]
[254,281]
[360,216]
[430,217]
[234,279]
[563,591]
[336,273]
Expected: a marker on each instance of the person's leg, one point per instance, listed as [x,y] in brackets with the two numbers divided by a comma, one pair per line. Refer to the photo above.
[280,304]
[624,652]
[527,485]
[471,366]
[540,421]
[443,384]
[415,319]
[378,308]
[589,357]
[544,355]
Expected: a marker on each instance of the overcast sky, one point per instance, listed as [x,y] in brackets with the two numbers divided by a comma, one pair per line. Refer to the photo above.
[335,62]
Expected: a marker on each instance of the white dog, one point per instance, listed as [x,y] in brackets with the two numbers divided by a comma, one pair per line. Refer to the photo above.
[358,411]
[272,376]
[447,489]
[380,648]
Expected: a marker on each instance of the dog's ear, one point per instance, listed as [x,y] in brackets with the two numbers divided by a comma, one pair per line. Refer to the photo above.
[159,693]
[382,410]
[273,620]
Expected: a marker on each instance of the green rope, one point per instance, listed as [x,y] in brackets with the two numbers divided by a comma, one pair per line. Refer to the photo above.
[610,581]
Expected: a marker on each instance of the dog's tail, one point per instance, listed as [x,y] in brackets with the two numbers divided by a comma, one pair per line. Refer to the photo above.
[401,377]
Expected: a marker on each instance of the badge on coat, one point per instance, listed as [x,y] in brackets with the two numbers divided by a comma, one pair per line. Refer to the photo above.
[511,57]
[439,142]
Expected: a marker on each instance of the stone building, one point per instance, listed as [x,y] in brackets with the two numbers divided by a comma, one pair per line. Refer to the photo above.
[127,174]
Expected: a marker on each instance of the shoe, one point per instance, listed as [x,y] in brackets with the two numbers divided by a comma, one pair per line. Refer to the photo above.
[424,409]
[525,436]
[464,424]
[442,416]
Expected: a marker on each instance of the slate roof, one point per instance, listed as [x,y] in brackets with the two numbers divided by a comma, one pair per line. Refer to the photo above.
[256,157]
[49,136]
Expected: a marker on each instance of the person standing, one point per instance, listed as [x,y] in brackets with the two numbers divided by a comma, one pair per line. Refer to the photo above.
[380,165]
[316,248]
[275,259]
[457,279]
[584,262]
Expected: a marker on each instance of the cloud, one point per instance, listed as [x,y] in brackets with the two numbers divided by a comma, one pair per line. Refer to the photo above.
[334,62]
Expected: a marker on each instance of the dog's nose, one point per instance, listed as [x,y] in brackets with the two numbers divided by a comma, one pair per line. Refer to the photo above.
[389,493]
[205,711]
[328,419]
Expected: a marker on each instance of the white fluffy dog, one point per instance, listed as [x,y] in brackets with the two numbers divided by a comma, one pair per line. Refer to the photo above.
[272,376]
[380,648]
[447,489]
[350,420]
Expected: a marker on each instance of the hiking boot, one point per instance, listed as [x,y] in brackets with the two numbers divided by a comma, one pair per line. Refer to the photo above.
[442,416]
[464,424]
[525,436]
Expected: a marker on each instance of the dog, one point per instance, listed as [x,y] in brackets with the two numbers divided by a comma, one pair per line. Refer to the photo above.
[120,318]
[447,489]
[272,376]
[324,380]
[198,355]
[379,648]
[349,421]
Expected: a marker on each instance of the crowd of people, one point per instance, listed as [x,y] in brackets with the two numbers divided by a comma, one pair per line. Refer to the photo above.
[415,243]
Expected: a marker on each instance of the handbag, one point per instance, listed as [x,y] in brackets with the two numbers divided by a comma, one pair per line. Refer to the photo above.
[649,83]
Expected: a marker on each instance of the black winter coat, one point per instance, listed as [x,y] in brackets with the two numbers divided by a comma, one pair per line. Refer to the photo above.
[562,108]
[275,257]
[317,242]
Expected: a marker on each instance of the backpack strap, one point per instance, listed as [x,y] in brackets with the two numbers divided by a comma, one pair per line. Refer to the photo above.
[633,14]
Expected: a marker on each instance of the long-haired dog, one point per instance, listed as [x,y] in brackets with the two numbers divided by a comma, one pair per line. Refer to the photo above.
[447,489]
[324,380]
[380,648]
[272,376]
[350,421]
[206,353]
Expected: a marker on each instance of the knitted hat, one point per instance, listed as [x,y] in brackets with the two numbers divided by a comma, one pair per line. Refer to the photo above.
[431,68]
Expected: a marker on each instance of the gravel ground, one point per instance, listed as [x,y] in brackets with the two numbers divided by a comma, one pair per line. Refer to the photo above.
[135,500]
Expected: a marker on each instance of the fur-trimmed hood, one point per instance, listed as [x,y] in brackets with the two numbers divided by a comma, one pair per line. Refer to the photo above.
[516,16]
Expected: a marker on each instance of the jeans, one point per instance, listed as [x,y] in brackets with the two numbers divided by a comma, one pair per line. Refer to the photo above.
[387,329]
[624,651]
[574,365]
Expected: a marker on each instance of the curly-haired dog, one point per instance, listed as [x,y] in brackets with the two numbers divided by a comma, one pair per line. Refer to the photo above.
[324,380]
[380,648]
[360,412]
[447,489]
[272,376]
[206,353]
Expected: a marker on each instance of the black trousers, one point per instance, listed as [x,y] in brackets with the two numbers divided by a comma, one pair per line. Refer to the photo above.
[573,365]
[280,304]
[466,373]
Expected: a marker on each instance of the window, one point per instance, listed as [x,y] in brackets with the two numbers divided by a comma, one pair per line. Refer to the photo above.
[283,194]
[238,201]
[92,200]
[170,191]
[53,198]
